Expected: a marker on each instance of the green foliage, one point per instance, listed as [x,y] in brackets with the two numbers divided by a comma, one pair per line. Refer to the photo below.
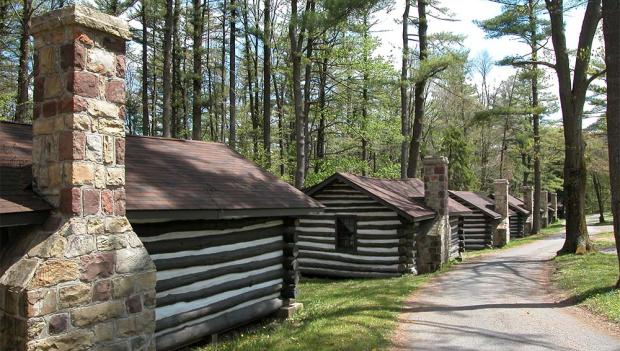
[460,156]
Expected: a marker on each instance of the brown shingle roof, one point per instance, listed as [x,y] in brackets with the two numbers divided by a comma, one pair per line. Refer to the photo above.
[479,201]
[170,174]
[517,205]
[16,194]
[404,196]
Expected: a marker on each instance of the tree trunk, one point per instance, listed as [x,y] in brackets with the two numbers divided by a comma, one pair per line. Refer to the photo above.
[267,81]
[167,79]
[223,77]
[598,191]
[280,106]
[611,32]
[23,80]
[572,100]
[198,27]
[533,23]
[320,133]
[250,80]
[300,140]
[419,94]
[404,84]
[145,71]
[176,74]
[232,89]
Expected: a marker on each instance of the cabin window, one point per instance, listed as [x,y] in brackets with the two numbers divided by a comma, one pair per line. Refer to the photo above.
[346,234]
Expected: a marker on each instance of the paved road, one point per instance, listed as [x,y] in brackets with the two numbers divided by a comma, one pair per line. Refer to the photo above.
[499,302]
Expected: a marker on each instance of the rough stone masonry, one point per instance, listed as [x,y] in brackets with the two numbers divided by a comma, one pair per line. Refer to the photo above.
[83,280]
[433,244]
[501,234]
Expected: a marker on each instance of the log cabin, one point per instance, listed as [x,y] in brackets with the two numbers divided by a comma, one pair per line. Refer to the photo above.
[378,227]
[124,242]
[518,218]
[479,226]
[224,255]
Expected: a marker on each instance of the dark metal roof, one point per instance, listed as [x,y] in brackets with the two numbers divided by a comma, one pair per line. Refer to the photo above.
[517,205]
[169,175]
[404,196]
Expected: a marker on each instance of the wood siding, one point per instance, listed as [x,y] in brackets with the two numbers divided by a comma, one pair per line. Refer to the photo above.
[456,236]
[477,228]
[213,275]
[517,226]
[385,246]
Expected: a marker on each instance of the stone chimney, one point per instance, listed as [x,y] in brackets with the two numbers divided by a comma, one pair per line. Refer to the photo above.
[434,241]
[501,235]
[553,198]
[544,205]
[83,280]
[528,204]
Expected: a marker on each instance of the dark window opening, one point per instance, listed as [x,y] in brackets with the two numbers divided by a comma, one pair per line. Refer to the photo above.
[346,234]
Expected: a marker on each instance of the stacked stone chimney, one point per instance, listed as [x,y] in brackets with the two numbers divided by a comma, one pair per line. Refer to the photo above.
[501,235]
[528,202]
[553,199]
[434,242]
[544,207]
[83,281]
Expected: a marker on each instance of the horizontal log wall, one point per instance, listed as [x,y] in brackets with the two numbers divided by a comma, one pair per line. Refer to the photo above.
[213,275]
[385,247]
[517,225]
[456,238]
[477,228]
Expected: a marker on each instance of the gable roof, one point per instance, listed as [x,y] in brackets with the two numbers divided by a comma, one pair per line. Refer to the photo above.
[517,205]
[479,201]
[403,196]
[175,178]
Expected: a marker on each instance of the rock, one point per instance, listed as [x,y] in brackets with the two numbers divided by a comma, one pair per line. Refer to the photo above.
[100,312]
[74,295]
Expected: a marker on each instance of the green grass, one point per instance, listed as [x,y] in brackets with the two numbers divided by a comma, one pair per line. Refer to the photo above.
[589,280]
[553,229]
[338,315]
[604,241]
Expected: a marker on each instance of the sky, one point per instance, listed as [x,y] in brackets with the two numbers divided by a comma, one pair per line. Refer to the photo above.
[389,31]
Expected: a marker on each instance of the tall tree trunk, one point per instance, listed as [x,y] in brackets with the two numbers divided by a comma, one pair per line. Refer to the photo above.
[611,30]
[300,138]
[419,94]
[223,76]
[533,23]
[267,81]
[598,191]
[232,89]
[198,30]
[145,70]
[176,74]
[167,79]
[572,100]
[320,133]
[404,84]
[365,78]
[250,80]
[307,98]
[280,107]
[23,80]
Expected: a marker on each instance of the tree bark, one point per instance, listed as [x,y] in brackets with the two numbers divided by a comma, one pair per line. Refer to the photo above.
[419,94]
[598,191]
[232,90]
[404,108]
[176,74]
[611,32]
[167,78]
[300,140]
[23,80]
[267,81]
[198,27]
[250,80]
[572,99]
[145,71]
[533,23]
